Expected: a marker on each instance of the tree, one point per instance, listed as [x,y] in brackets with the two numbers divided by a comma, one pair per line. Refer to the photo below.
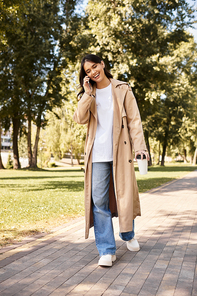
[176,102]
[73,139]
[188,136]
[188,130]
[56,124]
[62,134]
[1,163]
[31,62]
[133,38]
[10,90]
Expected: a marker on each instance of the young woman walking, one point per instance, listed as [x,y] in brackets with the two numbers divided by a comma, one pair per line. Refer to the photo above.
[114,129]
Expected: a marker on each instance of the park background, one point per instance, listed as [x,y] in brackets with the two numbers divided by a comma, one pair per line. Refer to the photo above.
[149,44]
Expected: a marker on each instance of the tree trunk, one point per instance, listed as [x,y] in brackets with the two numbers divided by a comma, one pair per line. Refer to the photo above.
[163,154]
[159,151]
[29,150]
[185,156]
[148,147]
[1,163]
[78,160]
[164,148]
[35,150]
[15,122]
[195,157]
[71,154]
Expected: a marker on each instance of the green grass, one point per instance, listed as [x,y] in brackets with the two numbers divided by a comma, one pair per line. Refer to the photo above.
[34,201]
[158,175]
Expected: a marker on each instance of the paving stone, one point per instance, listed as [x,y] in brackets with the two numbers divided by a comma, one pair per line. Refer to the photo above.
[126,294]
[66,263]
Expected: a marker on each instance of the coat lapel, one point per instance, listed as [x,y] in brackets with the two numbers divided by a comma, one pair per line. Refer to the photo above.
[118,95]
[118,92]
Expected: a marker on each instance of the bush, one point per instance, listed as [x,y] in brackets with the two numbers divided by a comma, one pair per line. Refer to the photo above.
[9,164]
[51,164]
[44,158]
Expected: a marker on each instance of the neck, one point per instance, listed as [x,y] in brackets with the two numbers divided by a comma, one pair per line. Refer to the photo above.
[104,83]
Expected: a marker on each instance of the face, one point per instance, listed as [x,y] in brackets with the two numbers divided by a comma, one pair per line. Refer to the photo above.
[95,71]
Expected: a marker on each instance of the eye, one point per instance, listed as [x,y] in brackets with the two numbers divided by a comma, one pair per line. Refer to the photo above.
[95,65]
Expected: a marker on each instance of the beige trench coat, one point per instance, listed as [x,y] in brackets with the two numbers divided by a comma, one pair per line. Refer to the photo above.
[127,135]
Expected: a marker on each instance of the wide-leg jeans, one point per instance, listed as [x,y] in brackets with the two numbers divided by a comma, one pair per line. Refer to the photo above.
[103,227]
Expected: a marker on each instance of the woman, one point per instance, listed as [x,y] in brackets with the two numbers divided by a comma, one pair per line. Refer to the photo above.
[110,111]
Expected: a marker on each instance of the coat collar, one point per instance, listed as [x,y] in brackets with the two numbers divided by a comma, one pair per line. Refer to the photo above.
[118,94]
[117,83]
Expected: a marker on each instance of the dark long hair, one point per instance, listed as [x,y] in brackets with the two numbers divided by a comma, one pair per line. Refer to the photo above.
[90,58]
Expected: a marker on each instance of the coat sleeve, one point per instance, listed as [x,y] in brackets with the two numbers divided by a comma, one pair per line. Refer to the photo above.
[134,122]
[82,112]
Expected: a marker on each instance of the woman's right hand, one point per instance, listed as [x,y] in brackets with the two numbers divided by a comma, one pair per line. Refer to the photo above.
[87,86]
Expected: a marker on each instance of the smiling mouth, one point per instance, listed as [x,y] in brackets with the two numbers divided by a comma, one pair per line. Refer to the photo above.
[96,76]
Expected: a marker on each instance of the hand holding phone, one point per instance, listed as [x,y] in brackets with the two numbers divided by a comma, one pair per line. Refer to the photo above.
[87,86]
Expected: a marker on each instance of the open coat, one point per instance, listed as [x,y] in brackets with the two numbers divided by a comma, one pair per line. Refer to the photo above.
[127,135]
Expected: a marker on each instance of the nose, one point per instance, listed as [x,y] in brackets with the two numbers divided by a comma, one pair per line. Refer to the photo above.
[93,71]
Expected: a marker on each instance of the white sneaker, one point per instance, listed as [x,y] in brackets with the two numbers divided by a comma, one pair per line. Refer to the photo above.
[106,260]
[133,245]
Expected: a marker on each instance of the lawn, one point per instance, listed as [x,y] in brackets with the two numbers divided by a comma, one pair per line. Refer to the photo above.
[36,201]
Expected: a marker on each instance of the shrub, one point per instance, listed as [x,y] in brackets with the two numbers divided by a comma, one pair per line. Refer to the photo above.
[9,164]
[51,164]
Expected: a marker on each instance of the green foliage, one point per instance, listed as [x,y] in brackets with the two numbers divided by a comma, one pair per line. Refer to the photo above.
[173,121]
[62,134]
[44,157]
[22,146]
[143,42]
[140,41]
[31,59]
[51,164]
[134,37]
[9,164]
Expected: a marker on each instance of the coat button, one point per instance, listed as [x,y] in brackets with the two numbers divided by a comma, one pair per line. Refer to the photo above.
[85,153]
[130,160]
[123,126]
[125,142]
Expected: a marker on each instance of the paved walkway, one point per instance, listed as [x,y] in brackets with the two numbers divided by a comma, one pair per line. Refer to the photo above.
[64,263]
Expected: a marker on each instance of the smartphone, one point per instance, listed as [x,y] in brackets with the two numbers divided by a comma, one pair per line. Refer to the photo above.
[90,81]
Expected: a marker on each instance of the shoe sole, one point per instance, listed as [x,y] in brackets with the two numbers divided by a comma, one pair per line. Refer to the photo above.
[133,250]
[107,263]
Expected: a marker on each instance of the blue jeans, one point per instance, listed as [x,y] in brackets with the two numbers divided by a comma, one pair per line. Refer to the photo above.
[103,227]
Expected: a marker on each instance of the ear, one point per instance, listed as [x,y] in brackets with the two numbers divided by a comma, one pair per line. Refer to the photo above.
[103,64]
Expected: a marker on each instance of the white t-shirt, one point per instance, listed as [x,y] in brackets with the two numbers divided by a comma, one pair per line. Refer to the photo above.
[103,143]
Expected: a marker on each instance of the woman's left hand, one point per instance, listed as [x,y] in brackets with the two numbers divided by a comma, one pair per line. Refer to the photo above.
[142,152]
